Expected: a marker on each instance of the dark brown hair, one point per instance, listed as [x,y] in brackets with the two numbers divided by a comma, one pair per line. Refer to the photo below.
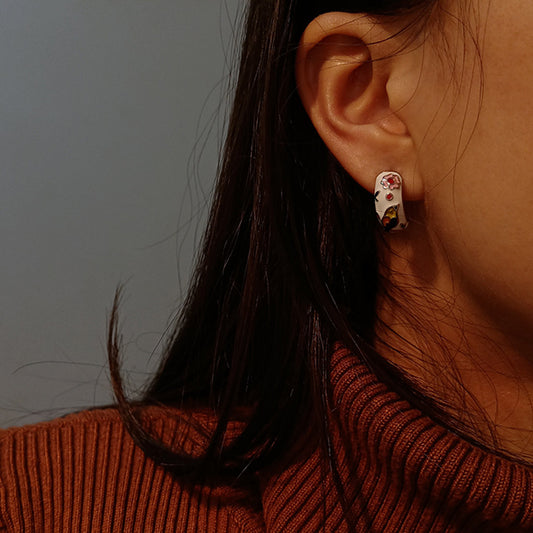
[288,267]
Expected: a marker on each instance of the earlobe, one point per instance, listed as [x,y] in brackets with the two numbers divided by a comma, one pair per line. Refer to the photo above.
[343,72]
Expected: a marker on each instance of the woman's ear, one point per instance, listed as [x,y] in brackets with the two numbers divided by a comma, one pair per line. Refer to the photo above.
[348,79]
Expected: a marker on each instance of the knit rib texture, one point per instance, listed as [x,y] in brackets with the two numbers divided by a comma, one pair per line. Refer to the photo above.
[401,472]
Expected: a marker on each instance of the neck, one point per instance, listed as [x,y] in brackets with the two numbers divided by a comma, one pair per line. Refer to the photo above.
[476,362]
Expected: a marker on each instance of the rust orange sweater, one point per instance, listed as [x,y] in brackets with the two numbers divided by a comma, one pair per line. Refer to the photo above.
[404,473]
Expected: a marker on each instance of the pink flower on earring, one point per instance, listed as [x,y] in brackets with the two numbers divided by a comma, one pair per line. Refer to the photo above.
[391,182]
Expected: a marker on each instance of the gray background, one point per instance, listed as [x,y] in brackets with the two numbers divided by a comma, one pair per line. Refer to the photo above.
[105,109]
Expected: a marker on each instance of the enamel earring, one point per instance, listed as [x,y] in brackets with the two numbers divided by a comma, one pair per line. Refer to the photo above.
[389,205]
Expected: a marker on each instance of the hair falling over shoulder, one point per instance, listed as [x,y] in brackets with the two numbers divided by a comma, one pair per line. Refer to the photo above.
[288,267]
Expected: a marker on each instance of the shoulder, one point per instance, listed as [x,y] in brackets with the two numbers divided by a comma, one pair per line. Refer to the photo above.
[84,473]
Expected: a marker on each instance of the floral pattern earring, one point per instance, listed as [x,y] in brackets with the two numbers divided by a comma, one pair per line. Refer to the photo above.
[389,203]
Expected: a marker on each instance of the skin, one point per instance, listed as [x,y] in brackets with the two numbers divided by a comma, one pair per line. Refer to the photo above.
[465,264]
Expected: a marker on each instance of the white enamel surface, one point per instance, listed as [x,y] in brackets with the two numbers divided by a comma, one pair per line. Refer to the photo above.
[382,203]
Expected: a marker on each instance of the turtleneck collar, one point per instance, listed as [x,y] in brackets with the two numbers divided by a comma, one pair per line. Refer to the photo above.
[401,471]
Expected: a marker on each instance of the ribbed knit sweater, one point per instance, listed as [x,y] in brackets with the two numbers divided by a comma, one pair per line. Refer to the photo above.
[83,473]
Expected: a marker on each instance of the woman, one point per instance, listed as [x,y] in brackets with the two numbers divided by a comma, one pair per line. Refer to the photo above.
[332,371]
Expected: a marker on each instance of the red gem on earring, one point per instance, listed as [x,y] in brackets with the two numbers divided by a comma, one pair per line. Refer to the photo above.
[390,196]
[391,181]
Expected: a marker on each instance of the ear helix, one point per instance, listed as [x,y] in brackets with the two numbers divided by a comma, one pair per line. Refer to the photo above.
[389,203]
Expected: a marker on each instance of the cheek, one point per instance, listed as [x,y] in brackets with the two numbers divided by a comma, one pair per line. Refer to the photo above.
[476,156]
